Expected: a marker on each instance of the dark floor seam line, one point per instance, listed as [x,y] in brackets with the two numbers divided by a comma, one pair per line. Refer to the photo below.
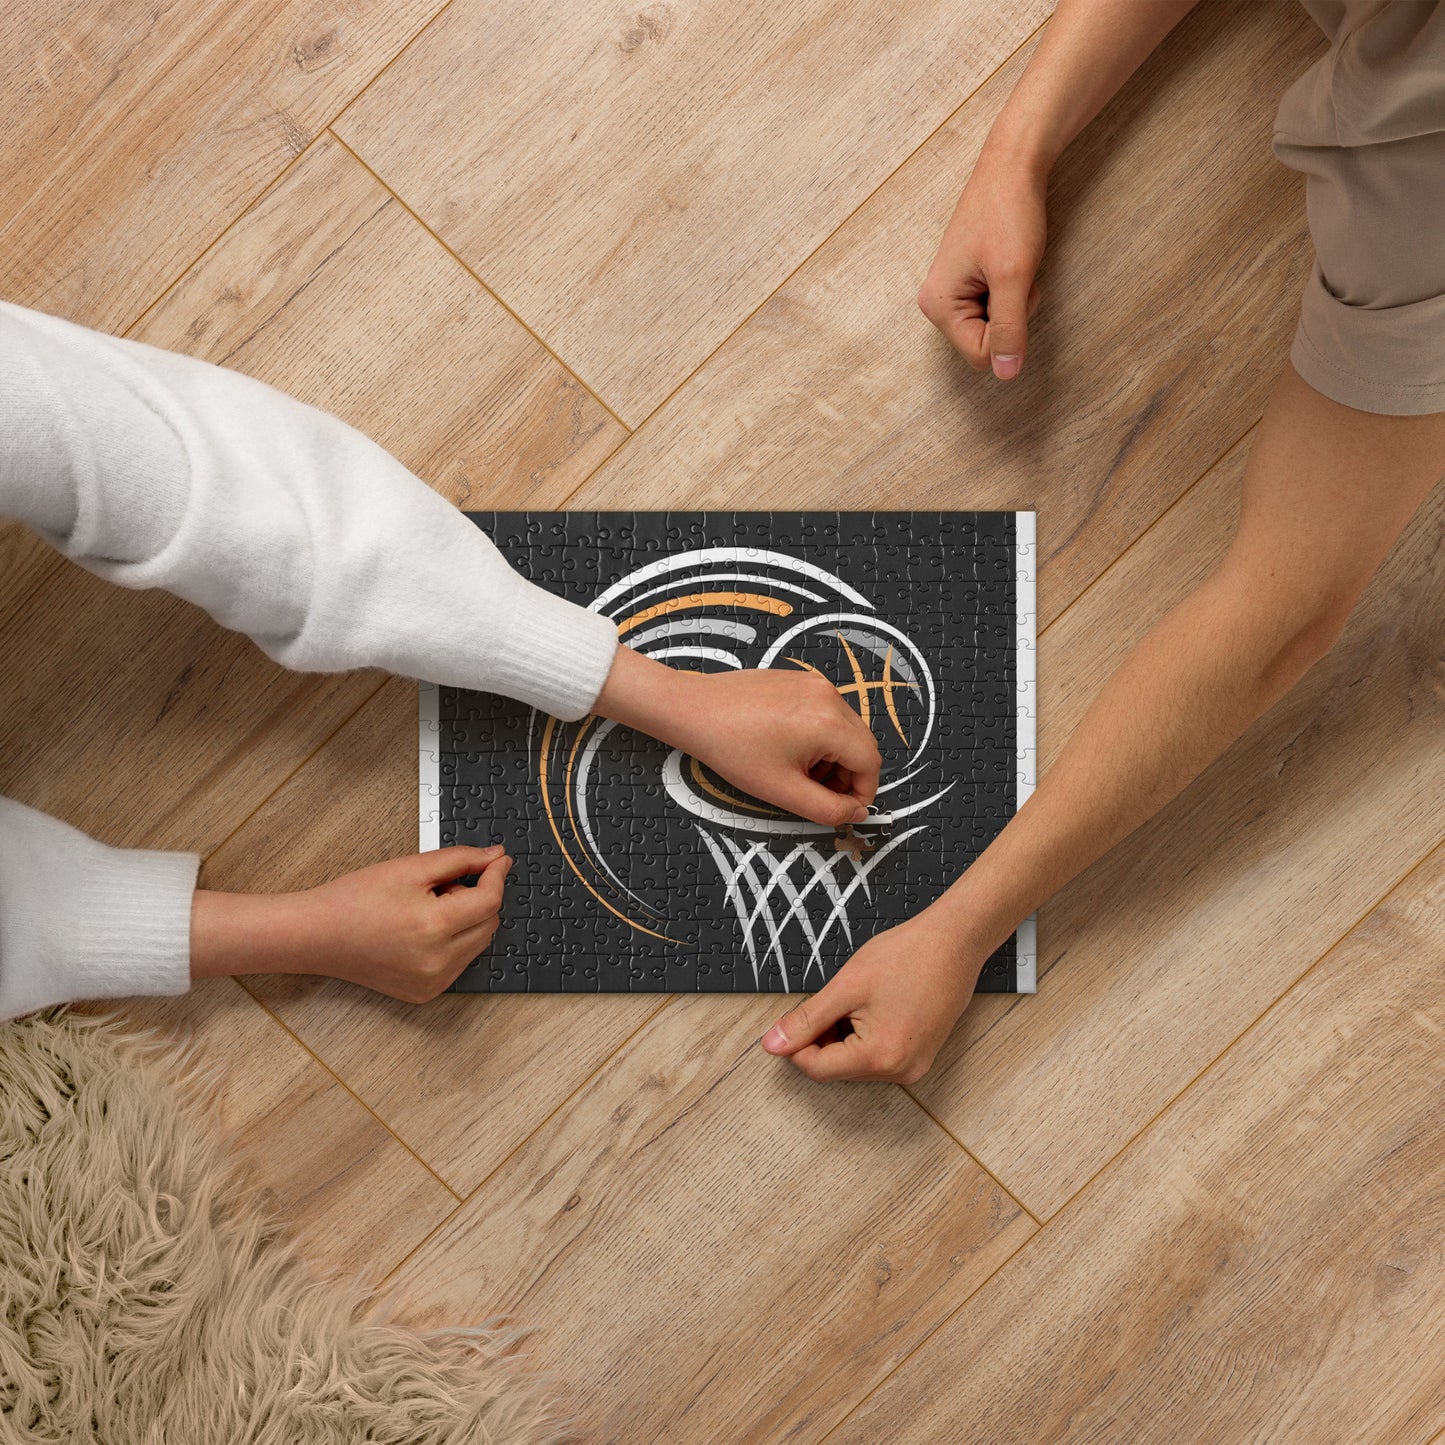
[956,1310]
[525,1140]
[279,176]
[476,276]
[1003,1188]
[1050,1220]
[1252,1025]
[311,1053]
[958,109]
[206,857]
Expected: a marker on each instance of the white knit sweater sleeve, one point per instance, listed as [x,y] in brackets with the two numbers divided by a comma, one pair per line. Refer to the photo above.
[157,470]
[152,469]
[80,920]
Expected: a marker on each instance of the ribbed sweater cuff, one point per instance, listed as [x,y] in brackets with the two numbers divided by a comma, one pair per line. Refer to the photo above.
[555,654]
[129,929]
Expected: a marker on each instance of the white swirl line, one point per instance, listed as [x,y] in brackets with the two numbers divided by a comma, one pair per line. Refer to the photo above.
[756,577]
[579,793]
[730,871]
[712,654]
[706,556]
[686,626]
[746,865]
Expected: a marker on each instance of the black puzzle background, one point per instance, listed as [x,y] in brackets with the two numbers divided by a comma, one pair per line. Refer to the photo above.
[619,885]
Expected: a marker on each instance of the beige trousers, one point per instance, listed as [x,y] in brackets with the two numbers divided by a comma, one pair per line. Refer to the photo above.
[1366,126]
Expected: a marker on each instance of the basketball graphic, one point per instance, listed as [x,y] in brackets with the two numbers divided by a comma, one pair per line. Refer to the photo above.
[718,608]
[639,868]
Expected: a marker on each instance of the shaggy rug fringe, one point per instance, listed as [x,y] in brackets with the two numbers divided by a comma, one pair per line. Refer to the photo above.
[150,1296]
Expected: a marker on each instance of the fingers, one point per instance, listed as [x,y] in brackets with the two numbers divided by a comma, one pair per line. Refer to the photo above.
[960,317]
[1008,315]
[446,865]
[477,940]
[989,330]
[845,1059]
[858,754]
[847,772]
[819,803]
[469,907]
[858,1055]
[970,339]
[814,1016]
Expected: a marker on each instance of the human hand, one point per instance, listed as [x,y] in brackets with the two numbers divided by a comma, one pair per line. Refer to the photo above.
[787,737]
[406,927]
[980,289]
[886,1013]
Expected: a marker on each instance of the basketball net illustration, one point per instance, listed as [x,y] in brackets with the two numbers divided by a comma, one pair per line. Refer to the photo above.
[792,888]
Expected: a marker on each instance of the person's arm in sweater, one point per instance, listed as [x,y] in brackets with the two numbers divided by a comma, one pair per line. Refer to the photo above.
[152,469]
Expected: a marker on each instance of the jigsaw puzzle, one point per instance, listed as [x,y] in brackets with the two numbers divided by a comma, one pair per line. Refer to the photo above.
[638,869]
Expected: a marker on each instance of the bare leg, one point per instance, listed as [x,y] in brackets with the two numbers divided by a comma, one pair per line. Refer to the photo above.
[1327,490]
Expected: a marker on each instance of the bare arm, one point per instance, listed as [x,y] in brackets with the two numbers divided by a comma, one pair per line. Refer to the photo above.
[1088,49]
[1340,484]
[980,289]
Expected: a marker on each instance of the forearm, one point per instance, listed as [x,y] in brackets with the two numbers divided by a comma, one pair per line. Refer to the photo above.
[1088,49]
[1326,492]
[1194,683]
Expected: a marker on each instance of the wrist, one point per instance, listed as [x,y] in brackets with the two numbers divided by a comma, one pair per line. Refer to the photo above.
[645,694]
[1018,145]
[973,922]
[235,933]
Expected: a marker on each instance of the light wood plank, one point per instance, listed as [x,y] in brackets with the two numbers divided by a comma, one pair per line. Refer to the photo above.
[463,1079]
[136,718]
[331,291]
[1166,949]
[634,183]
[1155,346]
[328,289]
[1263,1265]
[25,562]
[357,1200]
[136,133]
[714,1248]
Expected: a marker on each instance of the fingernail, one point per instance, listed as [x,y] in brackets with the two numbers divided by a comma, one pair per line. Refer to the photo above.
[775,1038]
[860,814]
[1006,367]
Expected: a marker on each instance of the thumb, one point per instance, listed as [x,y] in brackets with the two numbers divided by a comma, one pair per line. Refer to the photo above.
[812,1017]
[1008,326]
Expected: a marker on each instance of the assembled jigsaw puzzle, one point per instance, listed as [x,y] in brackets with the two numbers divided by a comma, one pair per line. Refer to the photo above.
[638,869]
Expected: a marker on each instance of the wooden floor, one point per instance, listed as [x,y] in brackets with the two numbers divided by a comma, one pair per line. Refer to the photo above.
[581,255]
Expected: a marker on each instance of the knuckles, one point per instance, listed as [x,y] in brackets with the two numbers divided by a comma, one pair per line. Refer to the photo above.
[1009,270]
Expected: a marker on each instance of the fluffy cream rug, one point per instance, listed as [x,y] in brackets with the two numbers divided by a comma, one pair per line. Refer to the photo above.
[150,1299]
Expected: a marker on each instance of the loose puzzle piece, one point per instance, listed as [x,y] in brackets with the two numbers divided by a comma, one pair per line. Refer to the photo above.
[636,868]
